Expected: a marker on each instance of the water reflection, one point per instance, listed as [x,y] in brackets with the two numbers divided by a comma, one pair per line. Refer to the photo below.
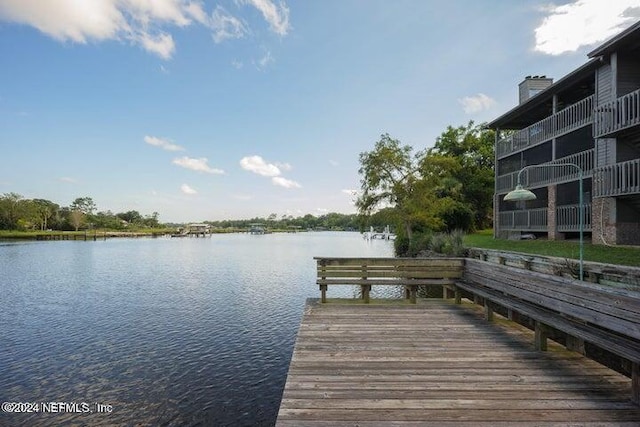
[166,331]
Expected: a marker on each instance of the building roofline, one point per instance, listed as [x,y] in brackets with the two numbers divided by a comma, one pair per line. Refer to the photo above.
[544,96]
[612,44]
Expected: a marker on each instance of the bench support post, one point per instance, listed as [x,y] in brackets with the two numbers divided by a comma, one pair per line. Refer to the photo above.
[635,382]
[541,335]
[323,293]
[457,295]
[365,293]
[488,311]
[575,344]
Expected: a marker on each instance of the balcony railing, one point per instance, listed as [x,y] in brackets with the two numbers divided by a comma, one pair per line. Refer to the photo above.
[527,219]
[537,177]
[617,179]
[571,118]
[617,115]
[568,217]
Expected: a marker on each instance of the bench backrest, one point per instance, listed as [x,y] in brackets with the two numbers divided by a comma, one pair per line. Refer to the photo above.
[396,270]
[611,308]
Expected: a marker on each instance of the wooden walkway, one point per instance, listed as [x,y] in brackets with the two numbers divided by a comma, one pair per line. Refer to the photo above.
[440,364]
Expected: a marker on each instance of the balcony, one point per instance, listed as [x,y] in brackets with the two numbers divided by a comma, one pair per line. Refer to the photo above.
[525,219]
[618,115]
[567,219]
[571,118]
[539,177]
[618,179]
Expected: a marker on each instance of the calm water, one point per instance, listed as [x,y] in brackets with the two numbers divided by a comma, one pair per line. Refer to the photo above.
[166,331]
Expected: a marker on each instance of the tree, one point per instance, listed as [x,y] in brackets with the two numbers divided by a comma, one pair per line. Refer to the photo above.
[76,218]
[85,205]
[472,148]
[11,207]
[390,177]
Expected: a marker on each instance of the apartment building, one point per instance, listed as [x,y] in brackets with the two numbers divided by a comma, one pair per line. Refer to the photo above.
[589,118]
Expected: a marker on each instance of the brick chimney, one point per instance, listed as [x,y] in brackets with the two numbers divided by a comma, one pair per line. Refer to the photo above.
[532,85]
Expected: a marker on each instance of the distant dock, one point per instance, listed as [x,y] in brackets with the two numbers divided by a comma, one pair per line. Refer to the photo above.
[440,364]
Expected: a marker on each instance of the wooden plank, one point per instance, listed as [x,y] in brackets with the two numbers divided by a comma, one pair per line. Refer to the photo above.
[392,273]
[622,346]
[588,311]
[435,363]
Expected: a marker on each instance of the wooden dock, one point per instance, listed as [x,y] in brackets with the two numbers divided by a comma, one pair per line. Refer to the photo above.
[440,364]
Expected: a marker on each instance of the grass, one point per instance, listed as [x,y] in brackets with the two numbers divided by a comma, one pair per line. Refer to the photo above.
[558,248]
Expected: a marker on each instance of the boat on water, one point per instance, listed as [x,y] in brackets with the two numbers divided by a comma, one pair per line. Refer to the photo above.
[258,228]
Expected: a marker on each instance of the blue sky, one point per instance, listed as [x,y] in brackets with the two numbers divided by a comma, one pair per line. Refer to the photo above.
[207,110]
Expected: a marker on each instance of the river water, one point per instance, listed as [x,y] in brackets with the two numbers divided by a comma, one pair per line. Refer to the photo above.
[191,331]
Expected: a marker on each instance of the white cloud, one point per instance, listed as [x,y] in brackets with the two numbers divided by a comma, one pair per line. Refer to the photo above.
[68,180]
[579,23]
[276,15]
[162,143]
[160,44]
[256,164]
[145,23]
[198,165]
[350,192]
[283,182]
[187,190]
[477,103]
[226,26]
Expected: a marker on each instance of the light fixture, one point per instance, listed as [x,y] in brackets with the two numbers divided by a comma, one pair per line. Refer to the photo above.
[519,194]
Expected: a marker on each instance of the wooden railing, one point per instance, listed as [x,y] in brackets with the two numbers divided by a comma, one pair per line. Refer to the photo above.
[571,118]
[568,217]
[407,272]
[617,115]
[537,177]
[617,179]
[525,219]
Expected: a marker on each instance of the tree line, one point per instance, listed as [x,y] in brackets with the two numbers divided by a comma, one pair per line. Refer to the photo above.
[444,188]
[19,213]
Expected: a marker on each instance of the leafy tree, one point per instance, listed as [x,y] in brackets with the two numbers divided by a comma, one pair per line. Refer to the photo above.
[10,210]
[472,148]
[389,176]
[86,205]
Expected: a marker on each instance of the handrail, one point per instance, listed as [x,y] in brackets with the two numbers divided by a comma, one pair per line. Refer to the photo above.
[540,177]
[617,115]
[617,179]
[525,219]
[567,120]
[568,217]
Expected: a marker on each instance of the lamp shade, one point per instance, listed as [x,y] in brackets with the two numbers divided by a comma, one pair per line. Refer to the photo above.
[519,194]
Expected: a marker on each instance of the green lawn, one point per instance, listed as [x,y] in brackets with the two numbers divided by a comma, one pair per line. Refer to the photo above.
[562,249]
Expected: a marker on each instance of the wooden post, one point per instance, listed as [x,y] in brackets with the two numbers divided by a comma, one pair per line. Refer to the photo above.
[457,295]
[488,311]
[635,382]
[364,288]
[323,293]
[414,294]
[575,344]
[365,293]
[541,335]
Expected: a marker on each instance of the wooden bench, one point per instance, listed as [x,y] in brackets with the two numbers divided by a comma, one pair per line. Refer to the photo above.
[605,316]
[407,272]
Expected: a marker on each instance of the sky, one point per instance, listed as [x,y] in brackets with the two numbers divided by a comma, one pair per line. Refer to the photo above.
[231,109]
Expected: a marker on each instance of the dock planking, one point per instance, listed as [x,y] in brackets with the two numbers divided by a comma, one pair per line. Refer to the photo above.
[439,364]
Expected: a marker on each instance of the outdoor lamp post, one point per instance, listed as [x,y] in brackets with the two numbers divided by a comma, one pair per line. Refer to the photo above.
[520,193]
